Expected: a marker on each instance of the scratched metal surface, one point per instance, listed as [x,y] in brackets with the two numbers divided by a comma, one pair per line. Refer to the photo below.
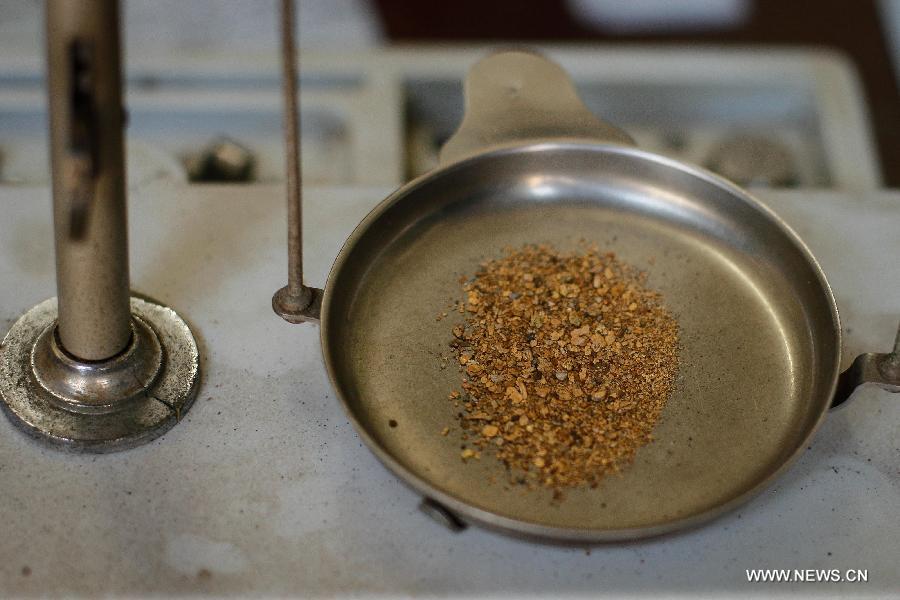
[265,488]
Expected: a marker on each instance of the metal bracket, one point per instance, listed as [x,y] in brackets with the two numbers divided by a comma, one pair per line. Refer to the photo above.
[442,515]
[305,308]
[881,369]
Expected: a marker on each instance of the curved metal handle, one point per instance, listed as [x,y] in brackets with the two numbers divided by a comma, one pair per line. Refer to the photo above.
[519,97]
[882,370]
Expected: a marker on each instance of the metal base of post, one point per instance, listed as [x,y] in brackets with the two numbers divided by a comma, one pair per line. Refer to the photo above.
[101,406]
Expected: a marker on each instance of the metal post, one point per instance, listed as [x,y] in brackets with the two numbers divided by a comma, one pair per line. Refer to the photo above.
[296,302]
[93,370]
[87,161]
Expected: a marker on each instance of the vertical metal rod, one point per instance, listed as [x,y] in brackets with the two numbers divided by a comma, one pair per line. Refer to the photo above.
[87,162]
[295,303]
[292,150]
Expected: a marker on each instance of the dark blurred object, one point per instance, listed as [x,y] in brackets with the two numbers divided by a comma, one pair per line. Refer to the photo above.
[223,160]
[852,27]
[753,160]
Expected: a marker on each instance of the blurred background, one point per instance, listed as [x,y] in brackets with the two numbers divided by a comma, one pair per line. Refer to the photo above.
[767,92]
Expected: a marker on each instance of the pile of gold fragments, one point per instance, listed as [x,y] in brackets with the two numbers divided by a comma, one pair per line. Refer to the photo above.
[567,362]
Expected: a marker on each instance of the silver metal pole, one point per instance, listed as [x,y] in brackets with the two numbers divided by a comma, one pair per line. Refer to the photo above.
[93,370]
[87,162]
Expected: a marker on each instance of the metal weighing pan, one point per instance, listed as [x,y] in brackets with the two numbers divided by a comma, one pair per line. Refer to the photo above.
[760,346]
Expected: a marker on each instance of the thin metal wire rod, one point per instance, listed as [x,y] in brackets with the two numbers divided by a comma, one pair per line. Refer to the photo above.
[296,302]
[293,173]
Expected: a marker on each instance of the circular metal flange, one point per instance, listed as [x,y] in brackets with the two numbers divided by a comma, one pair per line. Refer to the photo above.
[97,387]
[92,406]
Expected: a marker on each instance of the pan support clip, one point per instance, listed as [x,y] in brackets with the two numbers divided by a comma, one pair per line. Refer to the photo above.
[881,369]
[298,306]
[442,515]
